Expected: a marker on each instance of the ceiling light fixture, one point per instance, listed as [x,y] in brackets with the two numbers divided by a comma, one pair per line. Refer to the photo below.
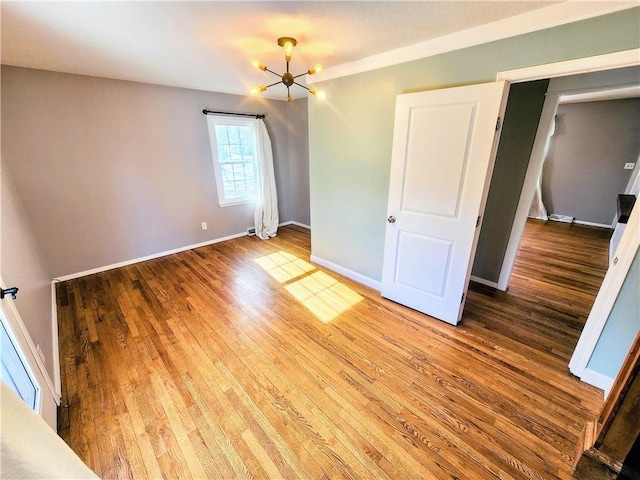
[287,78]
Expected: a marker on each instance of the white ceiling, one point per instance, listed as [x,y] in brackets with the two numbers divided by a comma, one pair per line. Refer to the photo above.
[208,45]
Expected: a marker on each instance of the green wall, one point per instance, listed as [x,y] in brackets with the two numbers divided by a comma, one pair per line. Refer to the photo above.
[519,130]
[350,135]
[621,328]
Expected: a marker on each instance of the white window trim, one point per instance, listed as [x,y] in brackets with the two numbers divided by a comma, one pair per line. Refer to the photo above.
[217,168]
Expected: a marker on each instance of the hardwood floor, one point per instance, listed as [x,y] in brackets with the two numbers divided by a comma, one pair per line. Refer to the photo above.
[556,277]
[243,360]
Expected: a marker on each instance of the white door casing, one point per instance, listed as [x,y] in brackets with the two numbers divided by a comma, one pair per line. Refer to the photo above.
[609,290]
[47,398]
[444,147]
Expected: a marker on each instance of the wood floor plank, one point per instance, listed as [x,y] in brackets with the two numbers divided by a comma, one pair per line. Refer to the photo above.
[244,360]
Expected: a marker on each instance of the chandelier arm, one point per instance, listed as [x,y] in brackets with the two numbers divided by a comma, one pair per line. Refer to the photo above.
[300,85]
[301,75]
[271,71]
[274,83]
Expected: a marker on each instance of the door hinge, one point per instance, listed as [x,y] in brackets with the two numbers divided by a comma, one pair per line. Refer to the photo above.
[498,124]
[478,221]
[462,299]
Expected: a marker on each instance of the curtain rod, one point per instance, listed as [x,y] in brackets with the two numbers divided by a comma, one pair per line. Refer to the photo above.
[212,112]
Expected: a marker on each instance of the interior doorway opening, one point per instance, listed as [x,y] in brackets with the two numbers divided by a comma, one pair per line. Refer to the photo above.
[591,82]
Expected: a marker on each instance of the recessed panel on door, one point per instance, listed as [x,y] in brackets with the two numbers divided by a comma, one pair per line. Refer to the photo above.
[423,263]
[436,158]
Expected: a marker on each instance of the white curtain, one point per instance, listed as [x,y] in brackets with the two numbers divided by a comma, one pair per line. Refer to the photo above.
[538,210]
[266,213]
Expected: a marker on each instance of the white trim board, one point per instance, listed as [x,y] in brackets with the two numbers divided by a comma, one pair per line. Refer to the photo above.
[544,18]
[57,383]
[593,224]
[358,277]
[611,285]
[293,222]
[84,273]
[598,380]
[608,61]
[482,281]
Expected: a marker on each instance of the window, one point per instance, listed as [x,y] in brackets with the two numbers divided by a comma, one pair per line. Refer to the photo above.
[233,146]
[15,373]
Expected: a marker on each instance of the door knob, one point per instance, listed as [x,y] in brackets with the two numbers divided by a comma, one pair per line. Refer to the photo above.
[391,219]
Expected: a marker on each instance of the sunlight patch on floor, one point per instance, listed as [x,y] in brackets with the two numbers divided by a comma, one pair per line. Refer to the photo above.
[319,292]
[283,266]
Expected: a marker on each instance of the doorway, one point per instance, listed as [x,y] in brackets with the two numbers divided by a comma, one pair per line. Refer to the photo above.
[609,291]
[595,83]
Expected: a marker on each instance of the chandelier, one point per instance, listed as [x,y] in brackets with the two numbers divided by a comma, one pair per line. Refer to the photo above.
[287,78]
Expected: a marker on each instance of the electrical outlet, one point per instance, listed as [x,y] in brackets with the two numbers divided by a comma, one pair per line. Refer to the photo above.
[204,225]
[629,166]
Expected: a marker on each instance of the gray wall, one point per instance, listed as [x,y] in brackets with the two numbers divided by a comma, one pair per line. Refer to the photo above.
[22,264]
[621,328]
[110,171]
[583,173]
[512,159]
[299,158]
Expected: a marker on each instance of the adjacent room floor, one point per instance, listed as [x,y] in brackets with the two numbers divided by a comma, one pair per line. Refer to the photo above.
[242,359]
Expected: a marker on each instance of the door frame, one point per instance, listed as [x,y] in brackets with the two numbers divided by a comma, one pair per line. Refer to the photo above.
[614,278]
[611,61]
[48,398]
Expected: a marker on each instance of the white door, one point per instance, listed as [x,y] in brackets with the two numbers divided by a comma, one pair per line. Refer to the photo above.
[20,369]
[444,146]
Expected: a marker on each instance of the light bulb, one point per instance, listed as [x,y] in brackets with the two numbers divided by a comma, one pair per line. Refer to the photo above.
[316,69]
[257,64]
[288,48]
[318,93]
[257,90]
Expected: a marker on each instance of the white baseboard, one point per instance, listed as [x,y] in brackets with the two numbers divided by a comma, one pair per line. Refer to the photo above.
[597,380]
[293,222]
[358,277]
[148,257]
[84,273]
[593,224]
[303,225]
[482,281]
